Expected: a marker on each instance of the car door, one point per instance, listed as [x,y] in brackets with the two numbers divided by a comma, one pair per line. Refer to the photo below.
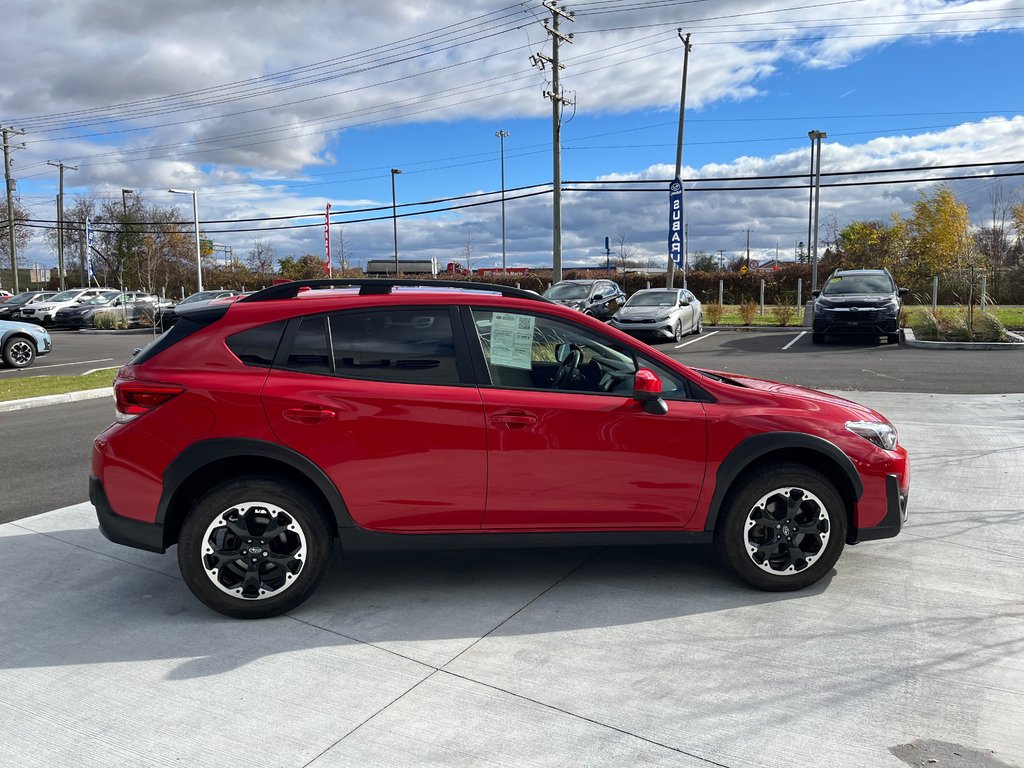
[379,401]
[584,455]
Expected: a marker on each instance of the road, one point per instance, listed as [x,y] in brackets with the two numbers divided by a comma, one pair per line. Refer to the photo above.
[75,353]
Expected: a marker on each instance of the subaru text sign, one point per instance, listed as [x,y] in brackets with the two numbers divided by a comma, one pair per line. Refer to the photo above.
[675,221]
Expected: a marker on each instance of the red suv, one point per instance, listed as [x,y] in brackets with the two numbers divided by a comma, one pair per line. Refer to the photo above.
[383,414]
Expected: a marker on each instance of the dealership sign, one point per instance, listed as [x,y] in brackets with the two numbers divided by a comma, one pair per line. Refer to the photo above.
[675,221]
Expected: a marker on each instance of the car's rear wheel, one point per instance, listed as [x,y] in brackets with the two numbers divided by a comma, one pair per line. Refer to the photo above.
[19,352]
[677,331]
[253,548]
[699,328]
[783,529]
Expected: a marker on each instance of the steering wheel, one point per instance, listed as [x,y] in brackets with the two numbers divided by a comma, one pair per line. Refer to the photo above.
[567,368]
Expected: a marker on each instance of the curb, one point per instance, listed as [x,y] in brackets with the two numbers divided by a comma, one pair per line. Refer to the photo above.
[67,397]
[911,341]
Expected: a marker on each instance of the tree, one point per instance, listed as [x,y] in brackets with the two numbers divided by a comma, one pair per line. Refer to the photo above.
[940,239]
[704,262]
[22,235]
[307,267]
[260,261]
[625,252]
[467,249]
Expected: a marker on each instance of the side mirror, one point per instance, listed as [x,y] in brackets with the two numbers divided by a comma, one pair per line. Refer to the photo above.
[902,292]
[815,294]
[647,390]
[684,303]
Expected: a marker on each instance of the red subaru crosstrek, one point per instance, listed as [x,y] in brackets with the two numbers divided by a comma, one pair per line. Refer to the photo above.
[382,414]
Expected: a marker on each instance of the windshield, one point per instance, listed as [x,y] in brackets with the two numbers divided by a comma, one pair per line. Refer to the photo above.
[847,285]
[568,291]
[23,298]
[66,296]
[653,299]
[202,296]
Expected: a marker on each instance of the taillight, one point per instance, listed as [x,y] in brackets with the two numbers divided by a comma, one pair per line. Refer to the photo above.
[134,398]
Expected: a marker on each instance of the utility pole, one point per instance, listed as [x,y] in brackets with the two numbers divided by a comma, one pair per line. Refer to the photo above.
[721,259]
[60,220]
[502,135]
[748,251]
[669,276]
[557,102]
[10,202]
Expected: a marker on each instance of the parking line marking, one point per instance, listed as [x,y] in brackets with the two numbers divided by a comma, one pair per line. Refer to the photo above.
[692,341]
[61,365]
[794,341]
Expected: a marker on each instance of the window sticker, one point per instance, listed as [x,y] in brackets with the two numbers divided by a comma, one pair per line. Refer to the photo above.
[512,340]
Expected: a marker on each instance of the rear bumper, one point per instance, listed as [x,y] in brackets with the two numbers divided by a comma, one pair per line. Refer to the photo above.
[895,514]
[122,530]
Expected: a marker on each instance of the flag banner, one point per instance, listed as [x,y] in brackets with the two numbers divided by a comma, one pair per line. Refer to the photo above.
[88,249]
[675,221]
[327,241]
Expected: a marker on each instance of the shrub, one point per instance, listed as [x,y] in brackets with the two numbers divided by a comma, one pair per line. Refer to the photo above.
[988,328]
[713,313]
[957,329]
[109,320]
[925,326]
[748,311]
[783,313]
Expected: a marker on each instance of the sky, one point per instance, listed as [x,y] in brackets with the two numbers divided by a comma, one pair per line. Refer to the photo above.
[272,110]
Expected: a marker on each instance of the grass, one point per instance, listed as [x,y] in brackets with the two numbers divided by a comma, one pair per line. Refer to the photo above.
[36,386]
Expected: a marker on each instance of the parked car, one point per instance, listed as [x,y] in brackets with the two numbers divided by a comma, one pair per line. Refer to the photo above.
[22,343]
[168,315]
[5,295]
[135,307]
[393,418]
[44,312]
[598,298]
[10,309]
[665,313]
[80,315]
[864,301]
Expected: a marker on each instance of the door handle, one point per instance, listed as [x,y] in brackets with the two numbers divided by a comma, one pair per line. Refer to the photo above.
[513,419]
[308,414]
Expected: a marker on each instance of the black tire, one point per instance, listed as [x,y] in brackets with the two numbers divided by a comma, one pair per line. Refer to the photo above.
[19,352]
[699,328]
[225,532]
[801,542]
[893,338]
[817,338]
[677,331]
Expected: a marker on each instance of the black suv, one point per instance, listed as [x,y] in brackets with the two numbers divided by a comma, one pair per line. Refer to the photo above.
[864,301]
[597,298]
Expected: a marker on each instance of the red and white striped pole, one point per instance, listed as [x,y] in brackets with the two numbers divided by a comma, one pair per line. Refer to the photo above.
[327,241]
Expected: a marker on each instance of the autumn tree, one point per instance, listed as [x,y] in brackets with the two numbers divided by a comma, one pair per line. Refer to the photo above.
[307,267]
[260,261]
[940,235]
[22,235]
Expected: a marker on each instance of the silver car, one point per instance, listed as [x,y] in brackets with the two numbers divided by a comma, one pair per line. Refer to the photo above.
[665,313]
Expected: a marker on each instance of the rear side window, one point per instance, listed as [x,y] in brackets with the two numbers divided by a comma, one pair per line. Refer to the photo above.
[414,345]
[257,346]
[309,351]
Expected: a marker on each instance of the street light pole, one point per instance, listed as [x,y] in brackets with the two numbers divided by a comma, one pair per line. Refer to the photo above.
[195,221]
[502,135]
[394,215]
[812,240]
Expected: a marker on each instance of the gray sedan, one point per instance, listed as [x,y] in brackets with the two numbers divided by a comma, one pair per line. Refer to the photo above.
[665,313]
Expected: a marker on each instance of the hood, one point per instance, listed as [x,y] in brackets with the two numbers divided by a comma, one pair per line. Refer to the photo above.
[857,300]
[644,313]
[793,393]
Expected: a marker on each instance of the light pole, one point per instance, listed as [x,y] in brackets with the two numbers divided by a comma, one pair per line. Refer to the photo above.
[812,234]
[195,220]
[502,135]
[394,215]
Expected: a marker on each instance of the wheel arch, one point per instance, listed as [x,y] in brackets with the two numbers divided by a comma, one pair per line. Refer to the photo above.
[205,463]
[786,448]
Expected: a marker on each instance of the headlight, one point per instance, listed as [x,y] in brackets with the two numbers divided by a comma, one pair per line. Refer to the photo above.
[881,434]
[663,316]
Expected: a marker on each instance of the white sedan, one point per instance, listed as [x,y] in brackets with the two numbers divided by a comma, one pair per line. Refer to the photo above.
[665,313]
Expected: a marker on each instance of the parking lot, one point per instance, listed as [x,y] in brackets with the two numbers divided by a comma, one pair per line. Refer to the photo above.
[587,657]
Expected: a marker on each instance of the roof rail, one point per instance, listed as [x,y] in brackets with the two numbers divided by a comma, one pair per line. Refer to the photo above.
[375,286]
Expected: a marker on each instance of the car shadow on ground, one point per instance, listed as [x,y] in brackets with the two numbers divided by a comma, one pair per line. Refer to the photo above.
[88,606]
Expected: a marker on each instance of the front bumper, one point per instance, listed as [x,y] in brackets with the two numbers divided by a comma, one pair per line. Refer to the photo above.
[122,530]
[895,514]
[661,328]
[867,321]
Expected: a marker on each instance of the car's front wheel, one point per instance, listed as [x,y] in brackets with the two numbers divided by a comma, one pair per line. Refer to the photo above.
[19,352]
[783,529]
[253,548]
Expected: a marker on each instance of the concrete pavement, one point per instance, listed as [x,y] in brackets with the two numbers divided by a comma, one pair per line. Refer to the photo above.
[613,657]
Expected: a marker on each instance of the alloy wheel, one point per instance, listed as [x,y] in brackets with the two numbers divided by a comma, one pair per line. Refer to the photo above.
[786,530]
[20,353]
[253,550]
